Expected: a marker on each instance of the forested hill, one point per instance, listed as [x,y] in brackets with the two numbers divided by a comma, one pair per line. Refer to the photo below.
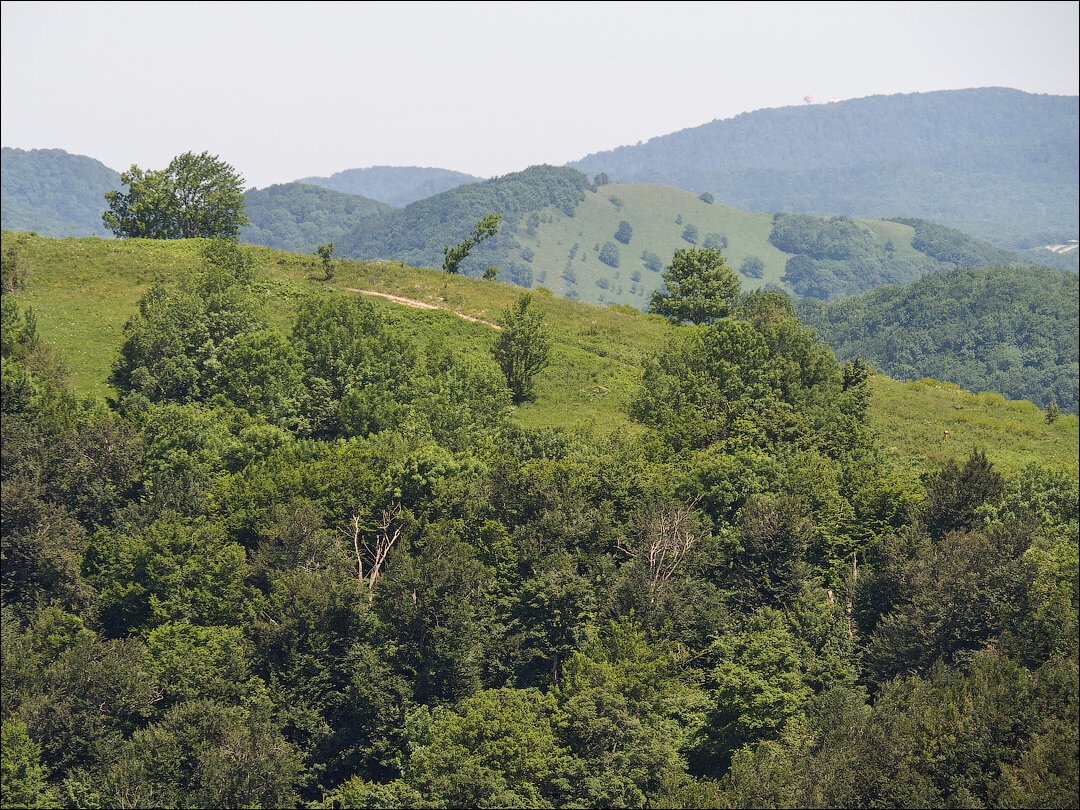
[609,243]
[1000,164]
[53,192]
[316,552]
[418,233]
[395,185]
[1009,330]
[298,217]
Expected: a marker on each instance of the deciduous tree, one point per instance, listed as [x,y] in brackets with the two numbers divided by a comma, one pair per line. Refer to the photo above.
[522,348]
[454,256]
[698,287]
[194,196]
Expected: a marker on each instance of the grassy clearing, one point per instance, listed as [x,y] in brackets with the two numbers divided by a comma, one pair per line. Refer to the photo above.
[911,419]
[658,216]
[84,290]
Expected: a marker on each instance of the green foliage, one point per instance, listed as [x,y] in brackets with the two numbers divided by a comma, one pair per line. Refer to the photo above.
[522,348]
[175,343]
[206,754]
[298,217]
[715,240]
[487,227]
[431,599]
[326,256]
[153,576]
[1009,330]
[690,234]
[699,287]
[751,267]
[706,197]
[22,778]
[952,246]
[609,254]
[194,196]
[759,688]
[624,233]
[498,749]
[652,261]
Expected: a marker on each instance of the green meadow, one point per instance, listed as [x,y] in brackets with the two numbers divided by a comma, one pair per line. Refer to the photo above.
[83,291]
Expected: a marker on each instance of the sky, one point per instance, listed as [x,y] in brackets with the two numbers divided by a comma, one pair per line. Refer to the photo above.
[289,90]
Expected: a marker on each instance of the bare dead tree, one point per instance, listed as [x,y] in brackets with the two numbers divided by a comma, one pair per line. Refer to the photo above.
[387,532]
[355,534]
[664,541]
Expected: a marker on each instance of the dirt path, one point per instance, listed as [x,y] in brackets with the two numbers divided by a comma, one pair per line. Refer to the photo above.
[412,302]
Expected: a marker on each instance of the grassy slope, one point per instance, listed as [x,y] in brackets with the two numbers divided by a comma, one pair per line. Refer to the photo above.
[83,291]
[652,211]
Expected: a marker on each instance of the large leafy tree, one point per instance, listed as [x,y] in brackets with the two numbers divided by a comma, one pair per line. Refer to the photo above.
[195,196]
[698,287]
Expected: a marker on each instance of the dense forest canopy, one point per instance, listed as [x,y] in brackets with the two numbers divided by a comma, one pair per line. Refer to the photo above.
[298,217]
[1010,330]
[53,192]
[323,562]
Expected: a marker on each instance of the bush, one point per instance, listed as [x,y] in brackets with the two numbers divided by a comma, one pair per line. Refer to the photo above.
[609,254]
[716,240]
[752,267]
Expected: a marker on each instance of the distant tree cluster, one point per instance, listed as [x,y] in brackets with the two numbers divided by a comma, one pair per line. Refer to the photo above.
[609,254]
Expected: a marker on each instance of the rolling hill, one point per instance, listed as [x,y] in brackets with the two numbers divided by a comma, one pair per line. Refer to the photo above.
[53,192]
[394,185]
[1000,164]
[1010,330]
[84,291]
[609,244]
[298,217]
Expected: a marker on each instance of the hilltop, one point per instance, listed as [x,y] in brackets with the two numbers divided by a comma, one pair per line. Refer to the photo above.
[1011,330]
[394,185]
[83,291]
[53,192]
[609,244]
[997,163]
[298,217]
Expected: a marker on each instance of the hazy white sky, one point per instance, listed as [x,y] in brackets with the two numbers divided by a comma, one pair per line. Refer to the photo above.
[287,90]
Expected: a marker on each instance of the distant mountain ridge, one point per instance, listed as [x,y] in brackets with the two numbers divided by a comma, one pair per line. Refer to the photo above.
[394,185]
[53,192]
[299,217]
[1001,164]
